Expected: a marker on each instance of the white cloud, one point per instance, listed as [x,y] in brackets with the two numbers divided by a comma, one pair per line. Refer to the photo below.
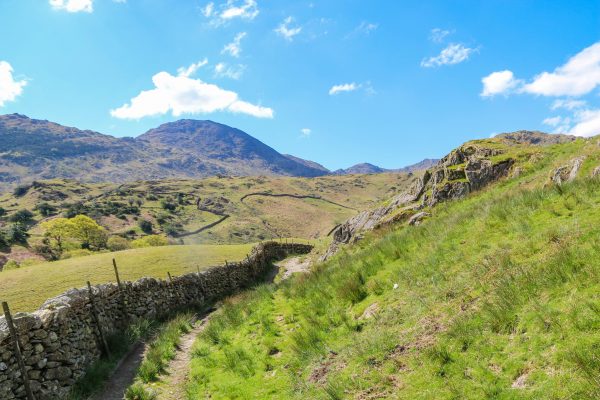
[10,88]
[286,31]
[568,104]
[345,87]
[208,10]
[587,123]
[73,6]
[183,95]
[305,132]
[223,70]
[438,35]
[579,76]
[500,82]
[234,48]
[553,121]
[454,53]
[191,70]
[247,9]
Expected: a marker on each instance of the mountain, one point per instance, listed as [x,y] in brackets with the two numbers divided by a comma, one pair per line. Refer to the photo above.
[367,168]
[38,149]
[536,138]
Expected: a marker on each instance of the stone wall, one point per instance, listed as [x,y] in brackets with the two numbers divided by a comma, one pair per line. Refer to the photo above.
[60,340]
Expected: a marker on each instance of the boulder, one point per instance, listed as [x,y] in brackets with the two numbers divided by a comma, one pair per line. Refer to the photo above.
[568,172]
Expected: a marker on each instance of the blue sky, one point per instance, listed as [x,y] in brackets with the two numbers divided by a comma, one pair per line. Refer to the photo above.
[335,81]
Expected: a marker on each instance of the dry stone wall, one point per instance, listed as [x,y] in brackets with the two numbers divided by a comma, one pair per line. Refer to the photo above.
[60,340]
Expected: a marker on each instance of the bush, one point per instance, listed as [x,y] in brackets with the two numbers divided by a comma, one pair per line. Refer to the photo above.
[168,205]
[16,233]
[145,226]
[11,264]
[45,209]
[2,212]
[138,391]
[21,190]
[150,241]
[117,243]
[21,217]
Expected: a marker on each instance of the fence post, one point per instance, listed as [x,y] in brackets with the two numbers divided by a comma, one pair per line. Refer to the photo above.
[170,278]
[198,268]
[121,293]
[97,321]
[17,347]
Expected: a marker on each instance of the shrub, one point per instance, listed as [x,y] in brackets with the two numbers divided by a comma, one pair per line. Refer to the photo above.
[11,264]
[21,217]
[150,241]
[16,233]
[138,391]
[45,209]
[21,190]
[168,205]
[145,226]
[117,243]
[2,212]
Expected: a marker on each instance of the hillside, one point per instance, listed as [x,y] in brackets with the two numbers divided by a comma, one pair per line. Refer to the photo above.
[38,149]
[493,293]
[217,210]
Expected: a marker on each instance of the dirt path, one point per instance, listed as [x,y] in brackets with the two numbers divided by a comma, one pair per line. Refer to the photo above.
[173,382]
[123,376]
[293,265]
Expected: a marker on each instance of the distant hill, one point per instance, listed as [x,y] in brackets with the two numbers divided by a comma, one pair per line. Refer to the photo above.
[536,138]
[366,168]
[38,149]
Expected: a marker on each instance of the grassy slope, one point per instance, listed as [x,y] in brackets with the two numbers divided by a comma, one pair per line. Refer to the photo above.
[27,288]
[497,297]
[250,221]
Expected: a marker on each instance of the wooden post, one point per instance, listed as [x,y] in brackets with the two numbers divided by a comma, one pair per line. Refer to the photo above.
[17,347]
[121,292]
[198,268]
[170,278]
[97,321]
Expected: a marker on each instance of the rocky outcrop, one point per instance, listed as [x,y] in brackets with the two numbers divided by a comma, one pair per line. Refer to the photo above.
[60,340]
[568,172]
[466,169]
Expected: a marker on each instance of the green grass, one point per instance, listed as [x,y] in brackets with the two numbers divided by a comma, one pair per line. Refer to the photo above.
[159,352]
[25,289]
[497,297]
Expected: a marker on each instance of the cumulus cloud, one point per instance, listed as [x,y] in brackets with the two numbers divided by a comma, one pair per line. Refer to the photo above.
[500,82]
[181,94]
[587,123]
[454,53]
[578,76]
[438,35]
[344,87]
[10,88]
[223,70]
[286,31]
[553,121]
[73,6]
[234,48]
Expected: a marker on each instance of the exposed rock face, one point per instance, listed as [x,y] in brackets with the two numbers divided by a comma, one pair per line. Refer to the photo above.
[568,172]
[466,169]
[60,340]
[536,138]
[596,172]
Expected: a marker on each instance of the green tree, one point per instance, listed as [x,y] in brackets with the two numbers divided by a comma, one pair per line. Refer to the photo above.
[21,217]
[91,235]
[16,233]
[45,209]
[145,226]
[2,211]
[58,230]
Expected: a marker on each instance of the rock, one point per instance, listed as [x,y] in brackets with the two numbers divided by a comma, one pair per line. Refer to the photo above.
[568,172]
[418,218]
[596,172]
[370,311]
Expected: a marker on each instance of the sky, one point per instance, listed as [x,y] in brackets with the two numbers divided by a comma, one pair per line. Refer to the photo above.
[335,81]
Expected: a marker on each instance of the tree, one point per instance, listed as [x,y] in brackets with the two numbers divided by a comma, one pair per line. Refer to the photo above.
[91,235]
[45,209]
[16,233]
[80,228]
[21,217]
[2,211]
[58,230]
[21,190]
[145,226]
